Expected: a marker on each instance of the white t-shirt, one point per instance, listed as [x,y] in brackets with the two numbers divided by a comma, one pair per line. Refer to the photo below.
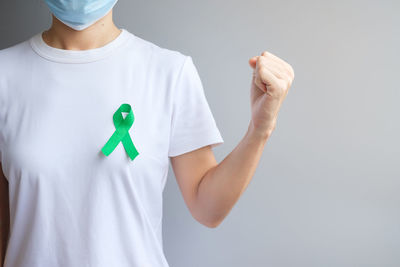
[70,205]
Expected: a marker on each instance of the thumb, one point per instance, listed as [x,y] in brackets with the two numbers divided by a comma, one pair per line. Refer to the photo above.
[253,61]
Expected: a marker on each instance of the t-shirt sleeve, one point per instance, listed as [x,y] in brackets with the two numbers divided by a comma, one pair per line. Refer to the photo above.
[193,124]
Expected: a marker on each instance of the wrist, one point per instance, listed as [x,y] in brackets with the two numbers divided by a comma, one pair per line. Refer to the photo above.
[257,133]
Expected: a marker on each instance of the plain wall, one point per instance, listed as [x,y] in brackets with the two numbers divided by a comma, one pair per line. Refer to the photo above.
[326,191]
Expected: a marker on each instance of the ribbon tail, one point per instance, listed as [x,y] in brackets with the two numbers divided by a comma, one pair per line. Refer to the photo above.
[129,147]
[111,144]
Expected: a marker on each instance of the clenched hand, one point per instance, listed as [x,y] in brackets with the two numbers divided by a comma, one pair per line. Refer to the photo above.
[272,78]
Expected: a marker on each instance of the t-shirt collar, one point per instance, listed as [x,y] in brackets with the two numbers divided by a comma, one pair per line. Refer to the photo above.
[76,56]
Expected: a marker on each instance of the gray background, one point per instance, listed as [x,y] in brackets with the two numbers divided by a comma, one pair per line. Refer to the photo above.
[326,191]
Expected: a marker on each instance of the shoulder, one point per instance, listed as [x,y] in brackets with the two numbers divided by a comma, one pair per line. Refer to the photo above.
[12,57]
[14,52]
[162,58]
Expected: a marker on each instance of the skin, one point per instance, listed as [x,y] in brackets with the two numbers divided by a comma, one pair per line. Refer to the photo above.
[210,189]
[4,215]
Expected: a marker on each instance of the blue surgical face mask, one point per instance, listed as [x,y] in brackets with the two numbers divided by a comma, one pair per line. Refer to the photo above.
[80,14]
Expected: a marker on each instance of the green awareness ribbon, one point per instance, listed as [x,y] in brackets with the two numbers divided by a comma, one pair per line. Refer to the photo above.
[121,133]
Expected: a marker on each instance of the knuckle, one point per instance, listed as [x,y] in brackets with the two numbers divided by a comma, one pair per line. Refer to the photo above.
[260,60]
[282,91]
[262,69]
[291,80]
[285,75]
[288,83]
[291,70]
[286,78]
[282,86]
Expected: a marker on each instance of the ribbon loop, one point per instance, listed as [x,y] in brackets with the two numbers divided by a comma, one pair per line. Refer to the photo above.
[121,133]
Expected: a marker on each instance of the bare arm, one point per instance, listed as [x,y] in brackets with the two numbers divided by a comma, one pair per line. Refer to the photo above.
[4,215]
[210,189]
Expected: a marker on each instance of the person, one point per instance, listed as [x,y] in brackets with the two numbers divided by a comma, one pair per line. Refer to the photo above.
[91,115]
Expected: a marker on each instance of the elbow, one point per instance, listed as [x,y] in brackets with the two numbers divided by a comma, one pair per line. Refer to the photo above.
[213,224]
[210,222]
[206,219]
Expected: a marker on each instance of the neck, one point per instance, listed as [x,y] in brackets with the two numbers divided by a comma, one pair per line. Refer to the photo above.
[97,35]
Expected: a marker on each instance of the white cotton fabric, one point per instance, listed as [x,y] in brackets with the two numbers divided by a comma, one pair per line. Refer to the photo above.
[70,205]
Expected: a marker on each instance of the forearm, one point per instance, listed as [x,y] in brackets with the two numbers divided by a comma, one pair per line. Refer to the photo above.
[4,232]
[221,186]
[4,218]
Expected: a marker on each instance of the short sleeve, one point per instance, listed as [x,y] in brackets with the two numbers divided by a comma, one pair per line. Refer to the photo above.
[192,125]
